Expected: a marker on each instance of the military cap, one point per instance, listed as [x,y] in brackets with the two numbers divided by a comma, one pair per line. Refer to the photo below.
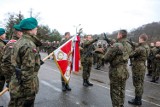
[28,24]
[2,31]
[17,27]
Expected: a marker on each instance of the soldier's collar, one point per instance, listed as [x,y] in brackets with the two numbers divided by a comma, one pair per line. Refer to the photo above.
[143,43]
[122,39]
[33,39]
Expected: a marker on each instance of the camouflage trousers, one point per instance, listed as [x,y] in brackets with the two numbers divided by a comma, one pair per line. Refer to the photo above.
[2,82]
[22,102]
[138,73]
[87,64]
[95,58]
[150,66]
[99,60]
[156,71]
[118,76]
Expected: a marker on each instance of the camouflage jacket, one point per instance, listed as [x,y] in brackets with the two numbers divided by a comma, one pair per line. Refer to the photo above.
[6,60]
[2,46]
[141,53]
[127,49]
[25,57]
[114,55]
[151,57]
[156,54]
[88,48]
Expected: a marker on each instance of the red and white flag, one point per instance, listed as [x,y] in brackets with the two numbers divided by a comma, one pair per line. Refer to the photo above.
[76,55]
[65,55]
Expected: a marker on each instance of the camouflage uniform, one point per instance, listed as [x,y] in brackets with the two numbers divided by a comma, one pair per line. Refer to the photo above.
[49,48]
[25,59]
[156,64]
[139,56]
[87,60]
[6,60]
[2,78]
[6,64]
[150,62]
[118,55]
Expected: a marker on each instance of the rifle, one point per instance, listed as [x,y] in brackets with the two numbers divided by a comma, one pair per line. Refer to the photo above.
[80,31]
[133,44]
[105,38]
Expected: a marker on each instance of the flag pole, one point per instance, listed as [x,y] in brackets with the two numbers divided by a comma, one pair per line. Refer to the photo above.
[51,54]
[5,90]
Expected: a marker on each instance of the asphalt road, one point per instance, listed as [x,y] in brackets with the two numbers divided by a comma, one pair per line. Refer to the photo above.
[50,94]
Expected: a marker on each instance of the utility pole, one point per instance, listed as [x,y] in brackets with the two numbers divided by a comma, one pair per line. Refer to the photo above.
[31,12]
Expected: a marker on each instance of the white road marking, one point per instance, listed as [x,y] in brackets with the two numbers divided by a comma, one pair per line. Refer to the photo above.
[50,85]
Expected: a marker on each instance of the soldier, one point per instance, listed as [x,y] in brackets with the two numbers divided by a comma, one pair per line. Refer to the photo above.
[117,55]
[57,44]
[25,59]
[49,48]
[2,46]
[156,63]
[139,55]
[150,60]
[87,59]
[6,60]
[65,86]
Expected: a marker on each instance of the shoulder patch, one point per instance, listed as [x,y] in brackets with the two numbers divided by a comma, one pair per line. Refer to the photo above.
[34,50]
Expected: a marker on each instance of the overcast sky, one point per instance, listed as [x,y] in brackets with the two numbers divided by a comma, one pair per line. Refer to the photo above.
[95,16]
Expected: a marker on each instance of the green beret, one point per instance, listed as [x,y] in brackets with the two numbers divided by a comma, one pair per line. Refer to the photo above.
[2,31]
[28,24]
[17,27]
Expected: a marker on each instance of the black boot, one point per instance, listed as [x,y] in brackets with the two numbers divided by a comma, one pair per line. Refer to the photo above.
[139,101]
[153,80]
[157,78]
[68,88]
[136,101]
[98,68]
[149,75]
[85,83]
[89,84]
[63,86]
